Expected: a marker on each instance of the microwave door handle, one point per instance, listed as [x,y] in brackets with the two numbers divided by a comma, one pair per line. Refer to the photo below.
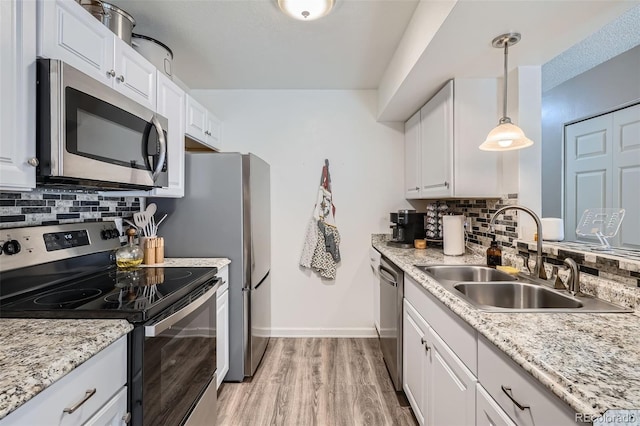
[163,147]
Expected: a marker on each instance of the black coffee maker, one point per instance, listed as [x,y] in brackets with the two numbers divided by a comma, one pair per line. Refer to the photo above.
[407,226]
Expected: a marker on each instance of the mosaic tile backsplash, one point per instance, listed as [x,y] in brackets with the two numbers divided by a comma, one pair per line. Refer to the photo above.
[40,207]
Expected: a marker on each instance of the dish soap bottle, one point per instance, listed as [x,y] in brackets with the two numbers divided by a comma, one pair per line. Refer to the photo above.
[131,255]
[494,254]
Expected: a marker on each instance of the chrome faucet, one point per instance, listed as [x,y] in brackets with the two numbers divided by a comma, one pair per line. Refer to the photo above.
[573,282]
[538,270]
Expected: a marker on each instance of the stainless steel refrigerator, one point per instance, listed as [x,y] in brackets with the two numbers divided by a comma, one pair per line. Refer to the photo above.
[226,212]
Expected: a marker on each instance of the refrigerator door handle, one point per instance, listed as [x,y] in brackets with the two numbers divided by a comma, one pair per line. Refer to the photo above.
[262,280]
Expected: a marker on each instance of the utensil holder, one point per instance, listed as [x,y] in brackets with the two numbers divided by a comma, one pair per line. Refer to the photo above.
[153,248]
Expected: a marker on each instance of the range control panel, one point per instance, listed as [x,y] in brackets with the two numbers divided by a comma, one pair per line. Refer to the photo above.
[63,240]
[22,247]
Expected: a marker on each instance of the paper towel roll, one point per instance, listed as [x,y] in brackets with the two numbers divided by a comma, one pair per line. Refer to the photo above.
[552,229]
[453,235]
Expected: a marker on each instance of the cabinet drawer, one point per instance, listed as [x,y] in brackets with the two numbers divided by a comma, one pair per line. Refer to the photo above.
[488,412]
[106,373]
[114,413]
[496,371]
[457,334]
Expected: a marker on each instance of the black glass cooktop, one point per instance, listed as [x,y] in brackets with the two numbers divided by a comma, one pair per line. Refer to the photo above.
[135,295]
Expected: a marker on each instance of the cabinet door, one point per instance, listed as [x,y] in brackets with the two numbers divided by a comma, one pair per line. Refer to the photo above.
[452,387]
[17,92]
[213,132]
[412,159]
[436,140]
[135,76]
[68,32]
[114,412]
[488,412]
[414,360]
[196,120]
[222,340]
[171,105]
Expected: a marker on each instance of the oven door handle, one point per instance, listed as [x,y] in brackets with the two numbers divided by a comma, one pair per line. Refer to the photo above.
[161,326]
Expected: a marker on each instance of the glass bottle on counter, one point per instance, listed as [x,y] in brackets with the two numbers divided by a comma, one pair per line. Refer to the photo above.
[129,256]
[494,254]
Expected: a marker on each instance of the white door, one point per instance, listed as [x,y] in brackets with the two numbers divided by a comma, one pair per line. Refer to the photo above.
[213,132]
[113,413]
[414,360]
[626,173]
[412,159]
[135,76]
[452,387]
[17,95]
[196,120]
[68,32]
[436,139]
[588,174]
[171,106]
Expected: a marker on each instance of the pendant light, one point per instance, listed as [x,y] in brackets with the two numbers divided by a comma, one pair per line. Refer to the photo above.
[506,136]
[306,10]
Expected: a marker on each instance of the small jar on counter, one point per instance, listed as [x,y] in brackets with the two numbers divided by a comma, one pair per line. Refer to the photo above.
[494,254]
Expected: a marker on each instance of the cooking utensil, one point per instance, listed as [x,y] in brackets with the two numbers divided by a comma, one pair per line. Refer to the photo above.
[111,16]
[155,51]
[142,219]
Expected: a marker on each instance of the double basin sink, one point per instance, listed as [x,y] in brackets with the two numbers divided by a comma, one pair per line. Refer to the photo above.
[495,291]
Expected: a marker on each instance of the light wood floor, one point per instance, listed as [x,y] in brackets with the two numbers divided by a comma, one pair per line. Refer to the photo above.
[308,382]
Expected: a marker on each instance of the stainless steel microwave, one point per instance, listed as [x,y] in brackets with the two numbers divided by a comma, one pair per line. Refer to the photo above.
[90,136]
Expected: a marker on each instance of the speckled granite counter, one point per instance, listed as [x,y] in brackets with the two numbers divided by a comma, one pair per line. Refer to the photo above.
[34,353]
[193,262]
[590,361]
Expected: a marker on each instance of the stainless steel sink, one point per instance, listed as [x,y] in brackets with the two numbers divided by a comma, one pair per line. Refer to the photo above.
[515,295]
[495,291]
[458,273]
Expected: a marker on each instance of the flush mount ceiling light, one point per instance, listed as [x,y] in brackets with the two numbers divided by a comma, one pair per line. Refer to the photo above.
[506,136]
[306,10]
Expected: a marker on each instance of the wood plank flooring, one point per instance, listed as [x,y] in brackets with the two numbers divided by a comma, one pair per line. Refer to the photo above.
[315,382]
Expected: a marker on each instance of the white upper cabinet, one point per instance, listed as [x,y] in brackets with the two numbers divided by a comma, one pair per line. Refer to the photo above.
[171,106]
[442,159]
[17,92]
[68,32]
[202,125]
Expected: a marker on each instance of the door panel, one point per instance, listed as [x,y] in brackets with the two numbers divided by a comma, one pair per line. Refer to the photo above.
[260,321]
[412,157]
[260,216]
[414,360]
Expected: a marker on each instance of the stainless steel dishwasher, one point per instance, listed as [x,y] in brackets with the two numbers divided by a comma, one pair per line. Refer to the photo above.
[391,294]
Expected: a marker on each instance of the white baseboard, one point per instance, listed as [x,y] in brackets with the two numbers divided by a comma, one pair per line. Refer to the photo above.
[323,332]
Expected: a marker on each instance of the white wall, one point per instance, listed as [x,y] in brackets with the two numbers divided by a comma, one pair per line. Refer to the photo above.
[294,131]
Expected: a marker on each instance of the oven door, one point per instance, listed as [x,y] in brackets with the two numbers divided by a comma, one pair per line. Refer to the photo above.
[180,362]
[91,133]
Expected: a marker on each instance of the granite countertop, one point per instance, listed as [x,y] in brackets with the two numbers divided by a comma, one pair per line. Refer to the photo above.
[193,262]
[35,353]
[590,361]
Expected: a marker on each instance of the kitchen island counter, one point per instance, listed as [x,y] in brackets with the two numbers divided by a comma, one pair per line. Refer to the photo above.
[590,361]
[35,353]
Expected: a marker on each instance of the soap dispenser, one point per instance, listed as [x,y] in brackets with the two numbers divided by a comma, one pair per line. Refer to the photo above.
[494,254]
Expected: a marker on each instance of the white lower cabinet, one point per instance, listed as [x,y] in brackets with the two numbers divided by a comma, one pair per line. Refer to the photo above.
[114,412]
[441,355]
[488,412]
[80,395]
[440,389]
[222,320]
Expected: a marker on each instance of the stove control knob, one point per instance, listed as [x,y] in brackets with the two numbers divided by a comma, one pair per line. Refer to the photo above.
[104,234]
[11,247]
[115,233]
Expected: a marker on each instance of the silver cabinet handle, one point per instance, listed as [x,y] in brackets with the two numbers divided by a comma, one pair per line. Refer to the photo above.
[437,185]
[120,79]
[126,418]
[33,161]
[111,73]
[88,394]
[163,147]
[417,188]
[422,340]
[507,392]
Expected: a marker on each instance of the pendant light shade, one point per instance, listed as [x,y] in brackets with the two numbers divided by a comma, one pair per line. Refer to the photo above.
[306,10]
[506,136]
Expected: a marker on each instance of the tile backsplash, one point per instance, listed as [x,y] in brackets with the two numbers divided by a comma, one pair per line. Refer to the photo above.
[44,207]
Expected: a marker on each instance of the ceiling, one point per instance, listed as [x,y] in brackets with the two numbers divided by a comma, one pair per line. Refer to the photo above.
[250,44]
